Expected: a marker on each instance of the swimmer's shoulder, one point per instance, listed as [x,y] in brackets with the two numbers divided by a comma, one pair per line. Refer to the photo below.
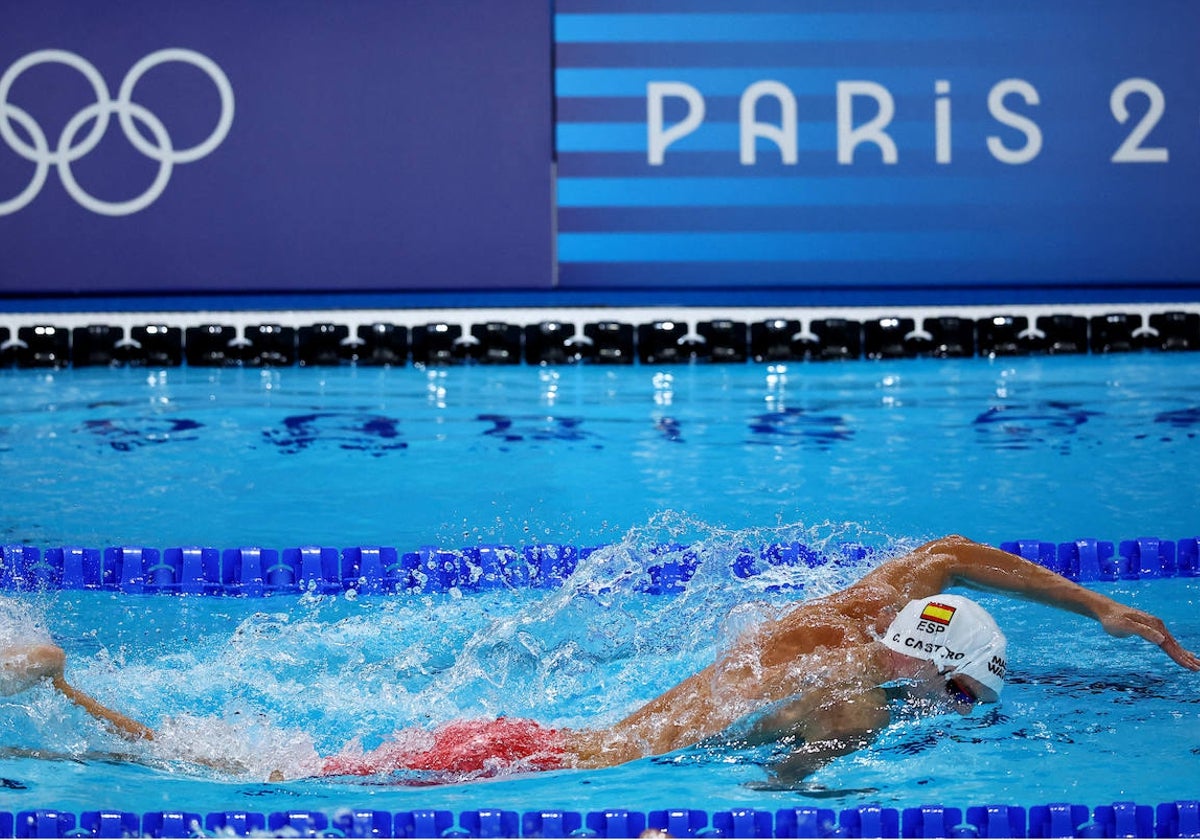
[835,623]
[861,602]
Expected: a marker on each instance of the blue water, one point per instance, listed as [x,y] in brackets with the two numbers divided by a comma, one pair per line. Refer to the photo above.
[1050,448]
[885,454]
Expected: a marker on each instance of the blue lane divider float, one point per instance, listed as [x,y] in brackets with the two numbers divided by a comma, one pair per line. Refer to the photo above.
[1121,819]
[1088,559]
[255,571]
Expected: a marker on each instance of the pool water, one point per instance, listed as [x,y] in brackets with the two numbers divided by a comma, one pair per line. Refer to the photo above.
[883,454]
[1052,448]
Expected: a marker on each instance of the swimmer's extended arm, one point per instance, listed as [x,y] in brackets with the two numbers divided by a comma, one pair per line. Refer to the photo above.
[117,722]
[937,565]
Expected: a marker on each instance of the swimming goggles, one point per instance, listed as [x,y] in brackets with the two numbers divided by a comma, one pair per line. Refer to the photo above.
[960,693]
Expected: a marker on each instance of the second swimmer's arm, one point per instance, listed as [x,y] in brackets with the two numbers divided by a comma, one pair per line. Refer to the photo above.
[120,724]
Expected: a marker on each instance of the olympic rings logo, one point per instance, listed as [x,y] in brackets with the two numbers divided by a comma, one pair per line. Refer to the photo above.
[67,151]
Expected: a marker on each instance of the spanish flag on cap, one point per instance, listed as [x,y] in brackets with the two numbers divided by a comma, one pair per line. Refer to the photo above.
[937,613]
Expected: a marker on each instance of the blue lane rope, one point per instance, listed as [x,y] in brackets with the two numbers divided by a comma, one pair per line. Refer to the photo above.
[1121,819]
[255,572]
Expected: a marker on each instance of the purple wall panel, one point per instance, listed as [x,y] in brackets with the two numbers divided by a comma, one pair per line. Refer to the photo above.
[372,146]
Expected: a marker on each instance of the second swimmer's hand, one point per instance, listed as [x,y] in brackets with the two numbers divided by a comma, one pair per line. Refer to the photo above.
[1126,621]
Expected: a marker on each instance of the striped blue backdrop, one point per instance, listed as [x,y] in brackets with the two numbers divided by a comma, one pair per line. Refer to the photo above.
[1069,217]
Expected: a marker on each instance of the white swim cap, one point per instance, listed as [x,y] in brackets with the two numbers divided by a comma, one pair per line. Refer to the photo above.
[955,633]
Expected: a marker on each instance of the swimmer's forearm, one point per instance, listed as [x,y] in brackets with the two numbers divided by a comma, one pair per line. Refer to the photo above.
[810,757]
[840,723]
[992,568]
[120,724]
[984,566]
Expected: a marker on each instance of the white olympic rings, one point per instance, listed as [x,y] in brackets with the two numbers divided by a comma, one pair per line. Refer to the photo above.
[38,151]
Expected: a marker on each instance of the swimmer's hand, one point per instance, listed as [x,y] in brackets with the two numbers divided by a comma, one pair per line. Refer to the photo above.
[1120,620]
[230,767]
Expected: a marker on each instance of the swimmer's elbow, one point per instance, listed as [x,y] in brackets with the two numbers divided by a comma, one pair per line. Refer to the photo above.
[944,560]
[949,544]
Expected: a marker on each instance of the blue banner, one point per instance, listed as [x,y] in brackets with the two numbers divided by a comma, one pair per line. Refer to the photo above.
[866,145]
[274,145]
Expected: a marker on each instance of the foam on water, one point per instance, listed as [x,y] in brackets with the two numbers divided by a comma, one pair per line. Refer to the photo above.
[21,624]
[250,745]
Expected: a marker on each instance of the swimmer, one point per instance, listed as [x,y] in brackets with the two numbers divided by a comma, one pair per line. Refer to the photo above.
[821,681]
